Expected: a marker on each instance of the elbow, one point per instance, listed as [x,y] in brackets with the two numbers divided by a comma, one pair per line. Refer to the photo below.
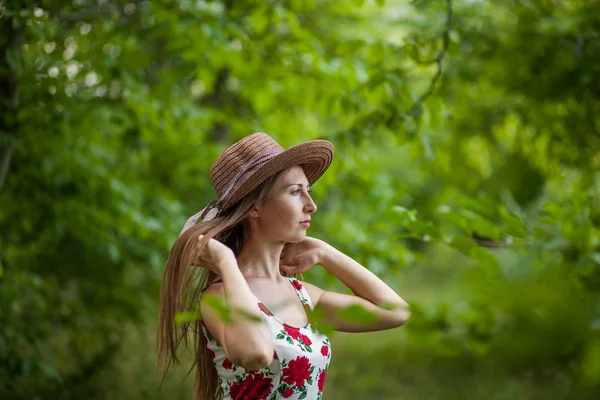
[253,356]
[400,317]
[404,316]
[257,360]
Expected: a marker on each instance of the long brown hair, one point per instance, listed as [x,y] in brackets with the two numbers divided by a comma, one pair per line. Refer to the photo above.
[183,283]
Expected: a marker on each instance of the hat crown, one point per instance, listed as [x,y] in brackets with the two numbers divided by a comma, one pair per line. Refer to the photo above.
[239,159]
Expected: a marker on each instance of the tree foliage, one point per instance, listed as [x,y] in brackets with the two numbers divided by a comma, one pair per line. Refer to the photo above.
[467,138]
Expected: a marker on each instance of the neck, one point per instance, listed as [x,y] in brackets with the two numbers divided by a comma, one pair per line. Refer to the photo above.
[260,259]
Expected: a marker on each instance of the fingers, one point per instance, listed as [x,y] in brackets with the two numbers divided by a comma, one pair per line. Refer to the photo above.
[285,258]
[292,269]
[288,269]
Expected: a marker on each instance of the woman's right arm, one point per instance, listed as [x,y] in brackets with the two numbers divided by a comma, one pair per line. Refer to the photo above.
[245,337]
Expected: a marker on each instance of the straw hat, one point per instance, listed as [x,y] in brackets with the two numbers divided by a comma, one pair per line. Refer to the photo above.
[247,163]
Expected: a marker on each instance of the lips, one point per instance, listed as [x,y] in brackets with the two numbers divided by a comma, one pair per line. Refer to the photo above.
[305,223]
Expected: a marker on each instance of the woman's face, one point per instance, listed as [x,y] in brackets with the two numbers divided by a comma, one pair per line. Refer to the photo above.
[285,214]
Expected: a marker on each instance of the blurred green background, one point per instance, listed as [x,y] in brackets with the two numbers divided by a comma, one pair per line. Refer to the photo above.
[467,175]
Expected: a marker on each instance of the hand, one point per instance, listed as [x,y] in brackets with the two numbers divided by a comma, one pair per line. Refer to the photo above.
[300,257]
[213,255]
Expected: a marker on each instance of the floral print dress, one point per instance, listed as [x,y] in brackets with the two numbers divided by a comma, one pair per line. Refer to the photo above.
[299,366]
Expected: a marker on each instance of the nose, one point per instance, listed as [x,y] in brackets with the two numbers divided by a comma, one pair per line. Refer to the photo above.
[310,206]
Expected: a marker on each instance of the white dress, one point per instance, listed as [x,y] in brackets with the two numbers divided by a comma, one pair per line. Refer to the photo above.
[299,366]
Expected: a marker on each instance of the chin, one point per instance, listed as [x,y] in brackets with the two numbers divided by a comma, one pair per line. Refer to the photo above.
[295,238]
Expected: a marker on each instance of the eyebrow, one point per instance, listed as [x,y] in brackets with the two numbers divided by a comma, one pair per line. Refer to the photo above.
[299,184]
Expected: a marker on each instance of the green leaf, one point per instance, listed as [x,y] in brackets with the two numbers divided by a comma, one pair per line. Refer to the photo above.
[280,336]
[481,206]
[289,340]
[591,363]
[581,201]
[424,228]
[356,314]
[258,20]
[454,217]
[485,228]
[13,59]
[486,259]
[308,348]
[406,214]
[303,395]
[51,372]
[221,308]
[427,147]
[462,244]
[294,24]
[187,316]
[556,210]
[513,224]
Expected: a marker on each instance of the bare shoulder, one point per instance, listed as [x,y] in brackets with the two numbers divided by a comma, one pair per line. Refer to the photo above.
[314,291]
[210,318]
[217,289]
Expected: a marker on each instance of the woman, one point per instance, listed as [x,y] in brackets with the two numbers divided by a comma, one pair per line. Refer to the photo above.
[262,345]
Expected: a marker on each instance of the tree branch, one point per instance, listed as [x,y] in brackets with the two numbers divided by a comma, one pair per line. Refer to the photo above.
[90,14]
[439,58]
[10,87]
[5,162]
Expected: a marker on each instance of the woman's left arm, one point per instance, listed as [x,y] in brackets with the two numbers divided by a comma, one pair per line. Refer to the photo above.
[386,309]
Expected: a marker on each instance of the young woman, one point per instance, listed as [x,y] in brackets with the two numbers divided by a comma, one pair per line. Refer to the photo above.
[243,253]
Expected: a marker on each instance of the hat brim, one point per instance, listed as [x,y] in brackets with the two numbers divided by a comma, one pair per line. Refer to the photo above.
[314,156]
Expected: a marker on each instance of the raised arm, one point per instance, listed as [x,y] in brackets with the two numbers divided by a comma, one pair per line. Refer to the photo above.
[245,339]
[386,308]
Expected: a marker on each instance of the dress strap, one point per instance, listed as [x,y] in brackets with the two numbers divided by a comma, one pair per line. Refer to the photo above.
[301,291]
[212,283]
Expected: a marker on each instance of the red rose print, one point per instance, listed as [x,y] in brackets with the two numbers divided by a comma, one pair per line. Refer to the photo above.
[239,389]
[325,350]
[275,357]
[321,382]
[297,371]
[265,309]
[255,386]
[306,340]
[227,364]
[297,285]
[293,332]
[261,389]
[211,353]
[287,393]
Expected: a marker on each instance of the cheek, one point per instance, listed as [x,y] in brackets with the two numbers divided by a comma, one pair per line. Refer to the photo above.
[282,214]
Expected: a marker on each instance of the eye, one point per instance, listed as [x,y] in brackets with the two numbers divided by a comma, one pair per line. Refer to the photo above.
[299,190]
